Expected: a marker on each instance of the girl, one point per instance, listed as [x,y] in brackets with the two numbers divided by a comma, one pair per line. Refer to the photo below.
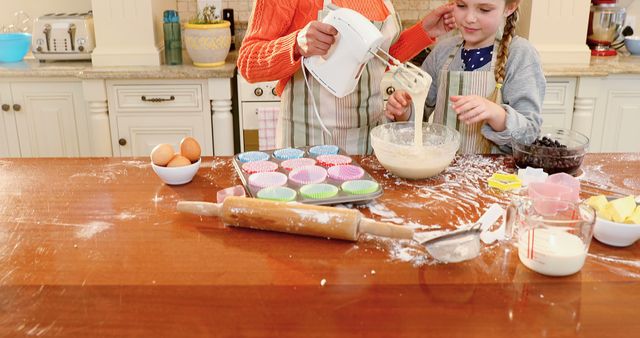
[282,31]
[487,82]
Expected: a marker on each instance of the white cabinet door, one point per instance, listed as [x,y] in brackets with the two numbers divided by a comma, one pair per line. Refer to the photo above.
[9,146]
[608,109]
[622,122]
[557,107]
[45,115]
[138,135]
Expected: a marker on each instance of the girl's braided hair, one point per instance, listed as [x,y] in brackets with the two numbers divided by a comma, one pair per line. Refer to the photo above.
[503,53]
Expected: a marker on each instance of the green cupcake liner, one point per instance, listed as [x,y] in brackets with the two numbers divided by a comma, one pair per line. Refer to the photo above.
[360,187]
[319,191]
[280,194]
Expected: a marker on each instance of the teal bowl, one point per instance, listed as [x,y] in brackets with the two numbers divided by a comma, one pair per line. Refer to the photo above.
[14,46]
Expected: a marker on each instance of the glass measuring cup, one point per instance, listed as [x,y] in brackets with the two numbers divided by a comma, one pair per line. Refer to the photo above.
[552,236]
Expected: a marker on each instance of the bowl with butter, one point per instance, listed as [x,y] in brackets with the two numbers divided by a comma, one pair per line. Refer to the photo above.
[618,221]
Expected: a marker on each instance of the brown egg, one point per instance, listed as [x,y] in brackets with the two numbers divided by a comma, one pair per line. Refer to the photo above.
[162,154]
[178,161]
[190,149]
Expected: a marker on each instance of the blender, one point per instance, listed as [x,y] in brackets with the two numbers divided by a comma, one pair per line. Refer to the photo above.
[606,20]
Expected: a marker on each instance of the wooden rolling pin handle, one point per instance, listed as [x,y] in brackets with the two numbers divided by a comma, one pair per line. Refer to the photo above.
[200,208]
[384,229]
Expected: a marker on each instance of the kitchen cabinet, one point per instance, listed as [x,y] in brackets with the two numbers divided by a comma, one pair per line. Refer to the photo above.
[557,107]
[143,114]
[43,119]
[608,111]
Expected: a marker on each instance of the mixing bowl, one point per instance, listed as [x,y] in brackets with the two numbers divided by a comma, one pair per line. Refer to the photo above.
[554,150]
[14,46]
[394,147]
[633,44]
[176,175]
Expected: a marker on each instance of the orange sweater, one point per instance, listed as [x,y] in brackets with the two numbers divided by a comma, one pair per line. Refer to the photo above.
[267,51]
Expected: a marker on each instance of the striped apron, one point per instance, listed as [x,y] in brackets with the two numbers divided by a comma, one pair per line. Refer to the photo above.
[351,118]
[451,83]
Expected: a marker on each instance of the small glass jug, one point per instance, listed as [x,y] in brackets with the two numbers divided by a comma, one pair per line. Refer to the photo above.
[552,236]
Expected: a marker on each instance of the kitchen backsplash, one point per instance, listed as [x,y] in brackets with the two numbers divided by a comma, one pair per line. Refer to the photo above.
[409,10]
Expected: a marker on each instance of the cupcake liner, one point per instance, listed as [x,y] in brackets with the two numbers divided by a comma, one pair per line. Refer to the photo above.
[267,179]
[318,191]
[252,156]
[308,175]
[360,187]
[288,153]
[324,150]
[346,172]
[259,167]
[332,160]
[280,194]
[297,163]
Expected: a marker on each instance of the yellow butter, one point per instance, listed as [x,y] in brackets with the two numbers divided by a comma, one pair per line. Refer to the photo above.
[621,208]
[604,214]
[597,202]
[635,217]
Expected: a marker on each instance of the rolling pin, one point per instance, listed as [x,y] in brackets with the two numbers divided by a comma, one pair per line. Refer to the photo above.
[295,218]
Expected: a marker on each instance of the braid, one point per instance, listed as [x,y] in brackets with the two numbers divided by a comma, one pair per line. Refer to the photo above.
[503,54]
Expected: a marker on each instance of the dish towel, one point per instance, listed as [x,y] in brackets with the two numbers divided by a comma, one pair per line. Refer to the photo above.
[267,119]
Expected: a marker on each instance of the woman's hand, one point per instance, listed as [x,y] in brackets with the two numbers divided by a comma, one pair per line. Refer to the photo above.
[398,106]
[439,21]
[473,109]
[315,39]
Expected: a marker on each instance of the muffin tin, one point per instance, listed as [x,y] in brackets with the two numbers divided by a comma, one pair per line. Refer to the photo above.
[314,175]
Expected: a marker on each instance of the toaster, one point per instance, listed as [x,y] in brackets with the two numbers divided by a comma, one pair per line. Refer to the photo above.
[63,36]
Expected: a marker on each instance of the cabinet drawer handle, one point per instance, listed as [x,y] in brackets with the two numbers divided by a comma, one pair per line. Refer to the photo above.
[17,107]
[122,142]
[6,107]
[390,90]
[157,99]
[257,92]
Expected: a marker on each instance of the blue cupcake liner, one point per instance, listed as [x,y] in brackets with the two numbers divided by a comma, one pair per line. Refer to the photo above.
[288,153]
[327,149]
[252,156]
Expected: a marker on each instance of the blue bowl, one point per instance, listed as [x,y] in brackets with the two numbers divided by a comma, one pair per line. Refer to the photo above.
[633,44]
[14,46]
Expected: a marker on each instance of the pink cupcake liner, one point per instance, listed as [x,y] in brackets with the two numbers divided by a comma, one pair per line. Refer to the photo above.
[297,163]
[267,179]
[346,172]
[259,167]
[308,175]
[333,160]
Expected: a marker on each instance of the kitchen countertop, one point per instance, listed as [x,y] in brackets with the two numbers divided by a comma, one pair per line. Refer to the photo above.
[85,70]
[94,246]
[599,66]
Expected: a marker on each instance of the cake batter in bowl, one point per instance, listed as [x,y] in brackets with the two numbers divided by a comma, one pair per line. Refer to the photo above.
[393,144]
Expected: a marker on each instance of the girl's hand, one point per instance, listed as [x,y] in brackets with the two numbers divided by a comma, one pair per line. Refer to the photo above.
[439,21]
[315,39]
[398,106]
[473,109]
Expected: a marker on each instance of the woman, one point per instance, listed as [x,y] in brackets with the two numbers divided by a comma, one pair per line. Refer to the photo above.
[282,31]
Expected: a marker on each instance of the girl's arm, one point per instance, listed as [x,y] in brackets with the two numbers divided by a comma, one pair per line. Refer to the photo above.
[522,95]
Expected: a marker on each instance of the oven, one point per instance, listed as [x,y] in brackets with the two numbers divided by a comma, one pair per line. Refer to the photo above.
[252,97]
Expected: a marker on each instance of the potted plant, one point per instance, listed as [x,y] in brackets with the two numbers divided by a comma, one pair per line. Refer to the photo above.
[207,38]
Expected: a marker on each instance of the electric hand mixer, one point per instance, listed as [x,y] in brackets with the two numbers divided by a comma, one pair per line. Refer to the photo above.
[357,42]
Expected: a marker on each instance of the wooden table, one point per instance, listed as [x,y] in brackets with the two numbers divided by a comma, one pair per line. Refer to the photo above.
[96,247]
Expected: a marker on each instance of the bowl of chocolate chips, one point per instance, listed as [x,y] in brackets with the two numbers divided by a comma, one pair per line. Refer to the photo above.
[554,150]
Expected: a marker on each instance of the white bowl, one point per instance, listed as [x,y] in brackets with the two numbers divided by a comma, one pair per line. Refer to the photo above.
[616,234]
[633,44]
[176,175]
[393,145]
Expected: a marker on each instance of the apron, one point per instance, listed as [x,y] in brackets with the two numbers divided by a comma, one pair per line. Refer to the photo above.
[481,83]
[351,118]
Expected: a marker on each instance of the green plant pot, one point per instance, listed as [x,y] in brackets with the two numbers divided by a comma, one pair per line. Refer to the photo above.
[208,44]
